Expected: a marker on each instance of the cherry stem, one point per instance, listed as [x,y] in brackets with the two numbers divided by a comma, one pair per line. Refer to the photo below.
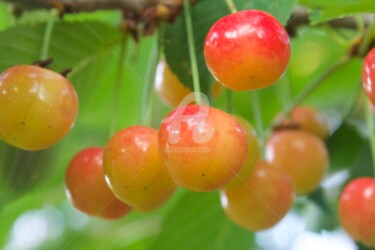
[118,80]
[43,63]
[231,6]
[148,94]
[370,126]
[258,118]
[314,84]
[285,90]
[47,34]
[229,101]
[192,53]
[366,40]
[65,72]
[352,108]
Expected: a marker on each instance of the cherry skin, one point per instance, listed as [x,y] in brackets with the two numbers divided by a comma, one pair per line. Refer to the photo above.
[38,107]
[253,154]
[368,75]
[308,119]
[301,155]
[171,90]
[134,168]
[203,148]
[262,201]
[87,189]
[247,50]
[357,210]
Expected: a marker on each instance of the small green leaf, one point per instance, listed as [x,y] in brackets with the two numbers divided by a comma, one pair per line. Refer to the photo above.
[198,222]
[344,8]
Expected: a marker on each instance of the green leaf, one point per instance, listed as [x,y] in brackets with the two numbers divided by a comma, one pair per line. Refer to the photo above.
[198,222]
[334,10]
[341,155]
[21,170]
[281,9]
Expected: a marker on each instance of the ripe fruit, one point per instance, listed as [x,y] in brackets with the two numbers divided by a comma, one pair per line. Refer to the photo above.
[247,50]
[202,147]
[38,107]
[301,155]
[171,90]
[262,201]
[357,210]
[253,153]
[368,75]
[86,187]
[134,168]
[308,119]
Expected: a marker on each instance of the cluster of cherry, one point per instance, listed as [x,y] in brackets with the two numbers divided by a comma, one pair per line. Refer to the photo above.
[197,147]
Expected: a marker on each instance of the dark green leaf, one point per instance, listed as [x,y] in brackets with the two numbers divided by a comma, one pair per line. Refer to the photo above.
[198,222]
[363,166]
[344,146]
[362,247]
[204,15]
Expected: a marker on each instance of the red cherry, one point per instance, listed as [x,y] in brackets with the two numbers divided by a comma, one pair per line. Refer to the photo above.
[38,107]
[262,200]
[202,147]
[357,210]
[301,155]
[134,168]
[247,50]
[368,75]
[87,189]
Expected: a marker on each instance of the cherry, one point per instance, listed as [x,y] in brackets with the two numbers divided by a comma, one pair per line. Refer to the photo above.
[87,189]
[263,199]
[202,147]
[38,107]
[301,155]
[253,154]
[356,210]
[135,170]
[308,119]
[171,90]
[368,75]
[247,50]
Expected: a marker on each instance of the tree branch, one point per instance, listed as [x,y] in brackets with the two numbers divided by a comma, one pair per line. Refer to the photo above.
[139,16]
[148,13]
[300,17]
[89,5]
